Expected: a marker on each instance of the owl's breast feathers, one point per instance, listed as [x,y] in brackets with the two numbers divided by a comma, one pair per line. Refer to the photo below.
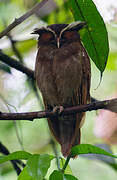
[63,76]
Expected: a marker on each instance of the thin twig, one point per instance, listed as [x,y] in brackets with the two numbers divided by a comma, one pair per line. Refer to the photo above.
[23,18]
[107,104]
[15,64]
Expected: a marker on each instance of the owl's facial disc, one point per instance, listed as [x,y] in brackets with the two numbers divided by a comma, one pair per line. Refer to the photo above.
[69,33]
[59,34]
[57,39]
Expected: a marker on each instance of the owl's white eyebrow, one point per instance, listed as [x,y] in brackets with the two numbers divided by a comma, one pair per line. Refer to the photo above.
[70,26]
[67,28]
[48,29]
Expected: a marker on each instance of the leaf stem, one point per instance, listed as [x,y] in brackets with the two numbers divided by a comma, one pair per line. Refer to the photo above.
[66,163]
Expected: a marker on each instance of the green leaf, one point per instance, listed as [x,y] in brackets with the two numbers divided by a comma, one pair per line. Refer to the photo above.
[94,36]
[24,175]
[89,149]
[14,156]
[106,159]
[38,165]
[56,175]
[69,177]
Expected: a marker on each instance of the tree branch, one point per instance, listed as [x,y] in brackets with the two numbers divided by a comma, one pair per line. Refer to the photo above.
[23,17]
[107,104]
[15,64]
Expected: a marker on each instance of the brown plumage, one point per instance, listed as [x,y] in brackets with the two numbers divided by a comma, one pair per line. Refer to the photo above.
[62,74]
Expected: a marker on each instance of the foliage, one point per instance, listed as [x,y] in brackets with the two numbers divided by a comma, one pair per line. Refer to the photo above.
[95,40]
[37,165]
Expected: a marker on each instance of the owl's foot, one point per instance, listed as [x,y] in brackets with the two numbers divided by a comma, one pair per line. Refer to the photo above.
[58,109]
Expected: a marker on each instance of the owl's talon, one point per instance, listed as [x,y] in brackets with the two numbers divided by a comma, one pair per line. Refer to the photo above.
[58,109]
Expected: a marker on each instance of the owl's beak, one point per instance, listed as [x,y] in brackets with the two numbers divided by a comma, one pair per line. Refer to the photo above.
[58,42]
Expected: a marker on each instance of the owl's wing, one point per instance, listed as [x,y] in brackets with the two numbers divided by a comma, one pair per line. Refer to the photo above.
[81,96]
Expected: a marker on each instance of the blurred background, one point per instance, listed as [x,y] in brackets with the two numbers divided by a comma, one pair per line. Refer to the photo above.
[19,94]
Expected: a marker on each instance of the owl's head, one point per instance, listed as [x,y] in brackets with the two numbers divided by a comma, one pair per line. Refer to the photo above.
[59,34]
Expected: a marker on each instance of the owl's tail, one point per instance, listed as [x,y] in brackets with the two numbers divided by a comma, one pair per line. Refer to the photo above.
[66,147]
[66,130]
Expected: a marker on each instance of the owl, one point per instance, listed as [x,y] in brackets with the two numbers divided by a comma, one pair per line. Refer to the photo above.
[62,73]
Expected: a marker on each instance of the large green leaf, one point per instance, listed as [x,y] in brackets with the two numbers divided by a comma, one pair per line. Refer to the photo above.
[56,175]
[95,38]
[106,159]
[89,149]
[37,165]
[14,156]
[24,175]
[69,177]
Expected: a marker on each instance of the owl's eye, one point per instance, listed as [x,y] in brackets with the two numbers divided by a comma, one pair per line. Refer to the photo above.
[48,36]
[68,35]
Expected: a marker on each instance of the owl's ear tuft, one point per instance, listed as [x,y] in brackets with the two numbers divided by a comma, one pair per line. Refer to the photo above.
[35,31]
[39,31]
[75,26]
